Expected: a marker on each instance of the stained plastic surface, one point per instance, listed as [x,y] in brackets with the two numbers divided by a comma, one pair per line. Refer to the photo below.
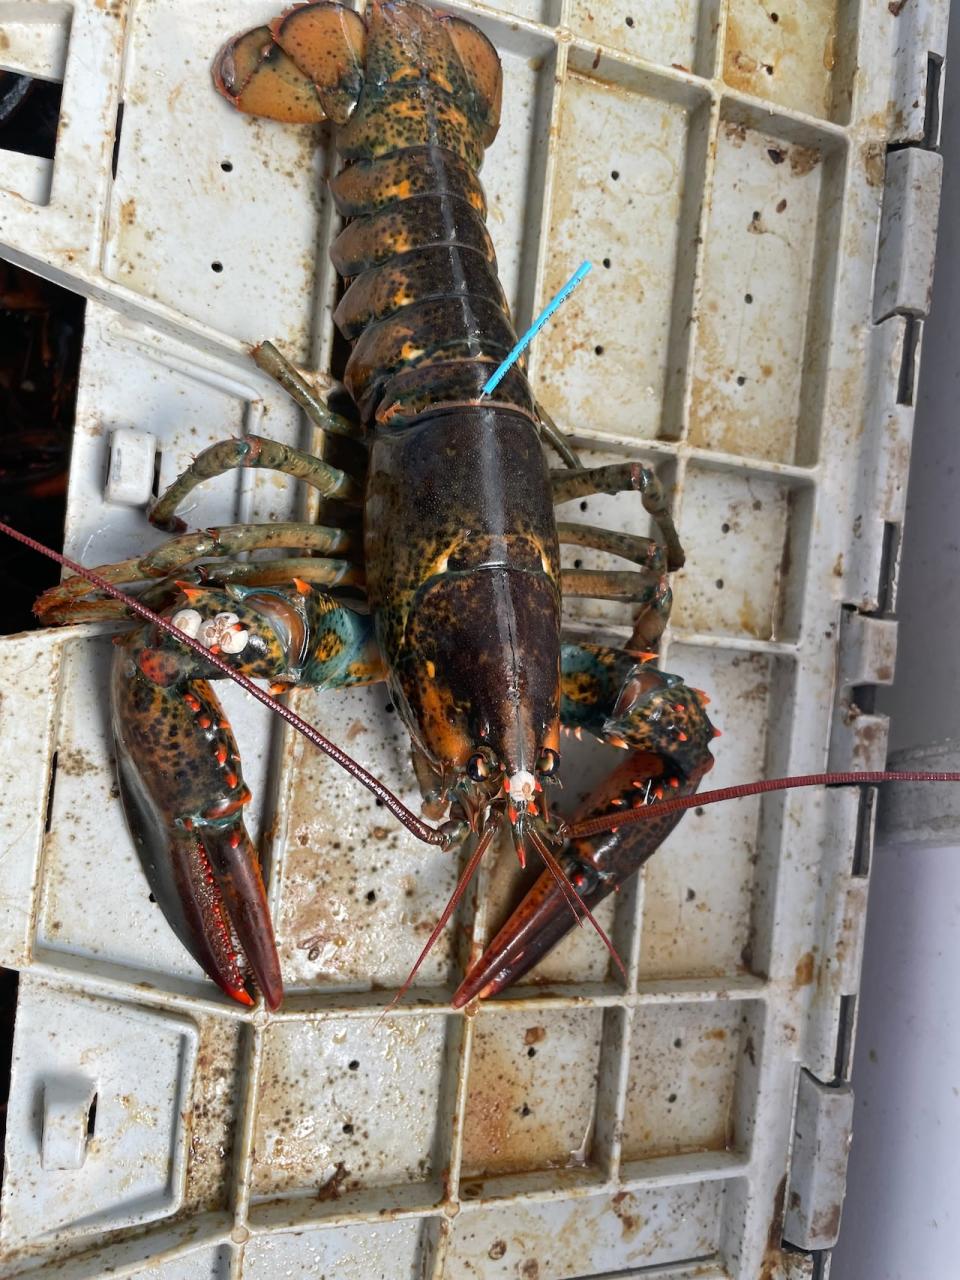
[723,165]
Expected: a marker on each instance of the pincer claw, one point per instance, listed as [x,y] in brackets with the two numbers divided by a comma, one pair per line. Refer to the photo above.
[594,866]
[536,926]
[183,796]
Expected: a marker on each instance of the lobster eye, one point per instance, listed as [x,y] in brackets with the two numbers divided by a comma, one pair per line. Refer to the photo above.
[548,763]
[478,767]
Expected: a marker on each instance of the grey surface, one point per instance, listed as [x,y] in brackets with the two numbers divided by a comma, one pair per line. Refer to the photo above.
[923,702]
[922,814]
[900,1215]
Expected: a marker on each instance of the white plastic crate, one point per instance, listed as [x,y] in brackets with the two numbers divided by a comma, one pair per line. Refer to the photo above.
[751,327]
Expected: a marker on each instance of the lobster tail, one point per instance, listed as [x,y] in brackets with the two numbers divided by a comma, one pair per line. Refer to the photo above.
[424,305]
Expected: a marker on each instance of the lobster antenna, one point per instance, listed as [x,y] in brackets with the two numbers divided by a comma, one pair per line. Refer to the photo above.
[558,874]
[430,835]
[469,872]
[570,895]
[611,821]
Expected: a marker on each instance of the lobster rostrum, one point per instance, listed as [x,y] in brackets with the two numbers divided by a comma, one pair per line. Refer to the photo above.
[460,554]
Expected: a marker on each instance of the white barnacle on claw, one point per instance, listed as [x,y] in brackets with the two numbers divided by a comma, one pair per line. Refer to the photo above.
[522,786]
[225,632]
[187,621]
[235,640]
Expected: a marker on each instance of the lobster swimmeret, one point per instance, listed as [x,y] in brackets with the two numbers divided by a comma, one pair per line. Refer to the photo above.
[460,552]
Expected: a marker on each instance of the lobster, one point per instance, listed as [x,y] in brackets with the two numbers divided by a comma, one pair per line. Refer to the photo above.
[459,560]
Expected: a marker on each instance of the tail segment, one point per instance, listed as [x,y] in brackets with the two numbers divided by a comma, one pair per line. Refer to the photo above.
[416,98]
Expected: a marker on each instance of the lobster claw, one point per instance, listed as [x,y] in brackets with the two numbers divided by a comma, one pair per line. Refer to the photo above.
[595,866]
[183,796]
[537,925]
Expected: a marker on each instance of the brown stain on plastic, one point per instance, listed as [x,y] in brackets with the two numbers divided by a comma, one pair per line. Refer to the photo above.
[786,52]
[773,1252]
[210,1117]
[826,1223]
[625,1207]
[681,1090]
[803,973]
[803,160]
[513,1119]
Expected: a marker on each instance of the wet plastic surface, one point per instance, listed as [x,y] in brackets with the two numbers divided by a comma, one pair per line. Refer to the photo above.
[723,166]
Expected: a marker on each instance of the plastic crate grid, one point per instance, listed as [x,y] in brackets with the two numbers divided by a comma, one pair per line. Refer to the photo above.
[722,165]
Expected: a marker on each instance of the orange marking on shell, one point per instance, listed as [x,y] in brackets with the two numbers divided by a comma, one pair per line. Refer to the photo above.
[617,801]
[221,754]
[512,813]
[682,736]
[234,839]
[204,722]
[192,701]
[447,740]
[674,782]
[191,593]
[506,785]
[231,780]
[303,587]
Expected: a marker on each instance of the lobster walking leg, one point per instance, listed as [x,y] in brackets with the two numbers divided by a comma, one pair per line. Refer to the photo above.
[318,571]
[610,584]
[251,451]
[651,587]
[558,442]
[288,376]
[664,726]
[645,552]
[75,600]
[622,477]
[648,587]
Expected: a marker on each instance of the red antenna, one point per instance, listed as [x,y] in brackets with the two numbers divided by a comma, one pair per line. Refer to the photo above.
[612,821]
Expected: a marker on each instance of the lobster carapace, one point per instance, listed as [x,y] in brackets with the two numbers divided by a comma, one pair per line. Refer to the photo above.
[460,549]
